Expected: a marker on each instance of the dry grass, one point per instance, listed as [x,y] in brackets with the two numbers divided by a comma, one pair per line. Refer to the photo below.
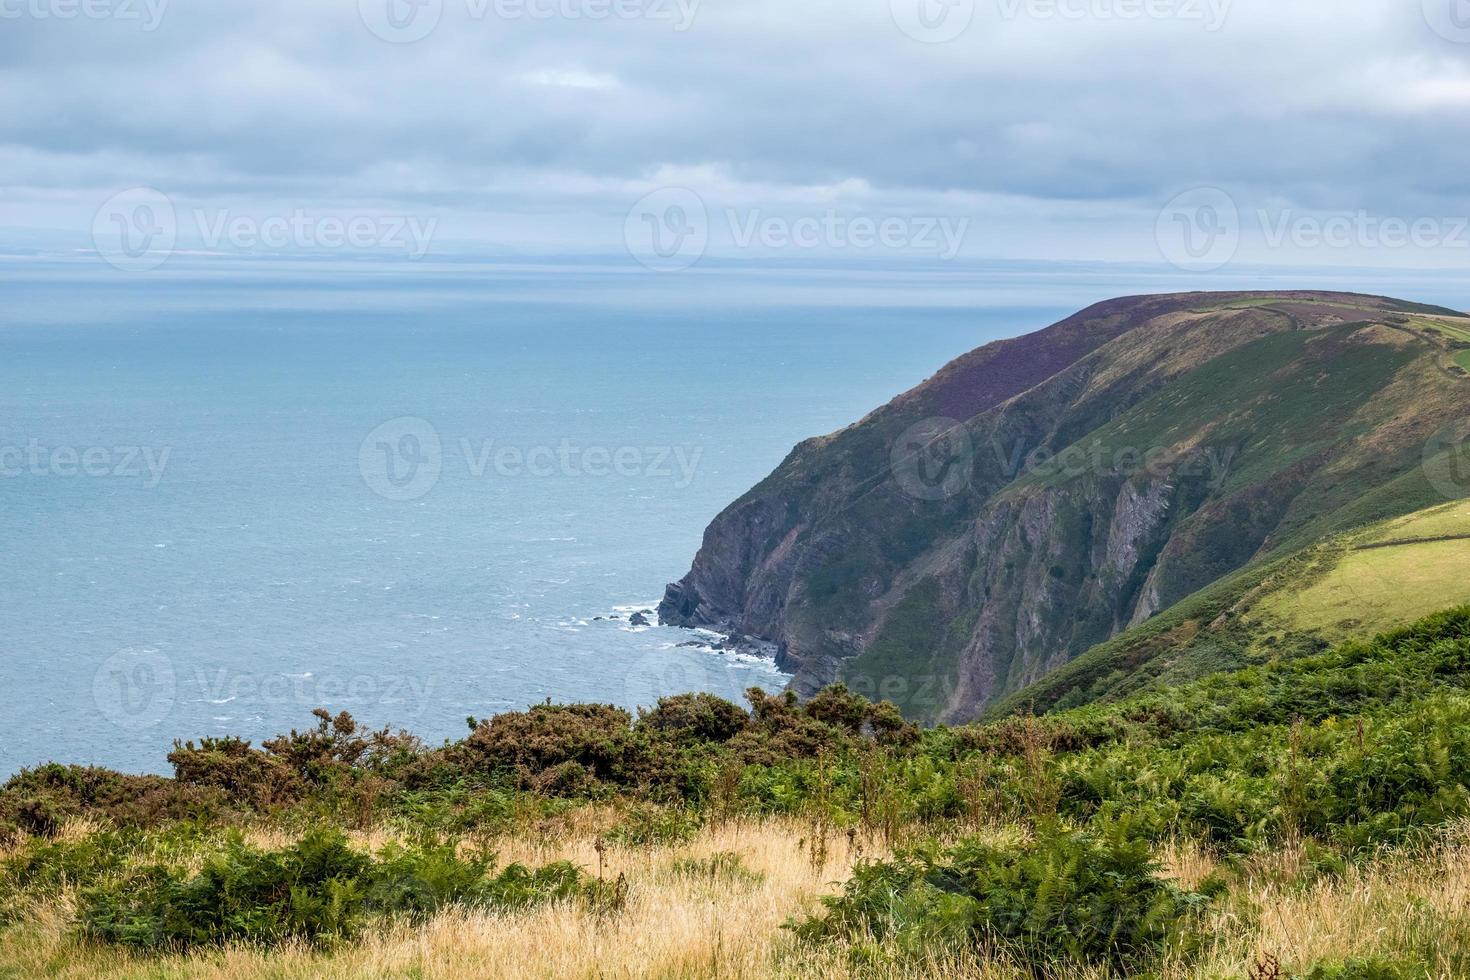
[673,925]
[1412,908]
[1187,863]
[682,926]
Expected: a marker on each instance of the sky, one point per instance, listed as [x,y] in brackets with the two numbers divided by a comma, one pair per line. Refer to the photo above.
[1197,134]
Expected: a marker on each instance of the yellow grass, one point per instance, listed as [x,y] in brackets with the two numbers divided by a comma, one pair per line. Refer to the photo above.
[673,926]
[678,927]
[1417,910]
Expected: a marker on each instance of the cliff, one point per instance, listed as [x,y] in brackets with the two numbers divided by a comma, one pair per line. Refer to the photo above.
[1042,494]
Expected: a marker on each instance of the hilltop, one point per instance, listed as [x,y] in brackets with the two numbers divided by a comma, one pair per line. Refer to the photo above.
[1042,495]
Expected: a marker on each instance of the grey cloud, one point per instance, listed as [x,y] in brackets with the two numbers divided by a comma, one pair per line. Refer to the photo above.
[1285,102]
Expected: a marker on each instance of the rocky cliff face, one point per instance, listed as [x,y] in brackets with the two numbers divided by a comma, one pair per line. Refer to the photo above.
[1041,494]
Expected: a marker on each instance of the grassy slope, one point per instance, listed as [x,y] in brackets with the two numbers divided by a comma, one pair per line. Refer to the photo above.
[678,924]
[1387,574]
[703,929]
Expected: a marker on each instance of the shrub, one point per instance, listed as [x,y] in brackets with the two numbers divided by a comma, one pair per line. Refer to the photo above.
[595,736]
[703,717]
[245,775]
[1067,898]
[888,726]
[319,890]
[565,779]
[39,816]
[854,714]
[39,801]
[45,867]
[312,891]
[782,730]
[335,749]
[839,707]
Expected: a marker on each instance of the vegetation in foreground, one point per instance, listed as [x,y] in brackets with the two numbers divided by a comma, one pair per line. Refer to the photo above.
[1306,817]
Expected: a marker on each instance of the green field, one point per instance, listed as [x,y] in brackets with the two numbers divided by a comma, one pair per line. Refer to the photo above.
[1388,575]
[1453,329]
[1380,577]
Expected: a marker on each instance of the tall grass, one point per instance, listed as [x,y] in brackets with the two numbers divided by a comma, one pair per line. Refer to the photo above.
[686,918]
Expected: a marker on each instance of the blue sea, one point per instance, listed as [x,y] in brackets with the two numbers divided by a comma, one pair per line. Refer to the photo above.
[232,491]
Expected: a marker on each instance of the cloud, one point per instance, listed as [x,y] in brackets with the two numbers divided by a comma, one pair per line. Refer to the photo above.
[570,78]
[1064,124]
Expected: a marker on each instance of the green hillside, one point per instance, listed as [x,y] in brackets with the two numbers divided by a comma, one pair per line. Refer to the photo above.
[1366,581]
[1065,490]
[1388,575]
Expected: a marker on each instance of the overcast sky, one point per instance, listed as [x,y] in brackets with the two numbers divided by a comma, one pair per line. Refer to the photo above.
[1315,131]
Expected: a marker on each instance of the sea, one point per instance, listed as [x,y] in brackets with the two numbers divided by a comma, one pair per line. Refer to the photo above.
[234,490]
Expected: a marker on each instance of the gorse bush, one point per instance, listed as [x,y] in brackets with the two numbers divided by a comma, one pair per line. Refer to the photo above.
[1066,898]
[232,767]
[337,746]
[702,717]
[1345,751]
[319,890]
[592,736]
[39,801]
